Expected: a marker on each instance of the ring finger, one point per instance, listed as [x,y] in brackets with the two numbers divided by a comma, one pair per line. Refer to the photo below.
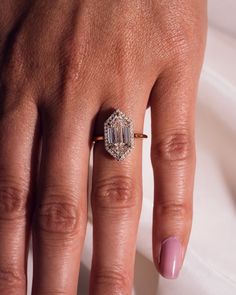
[116,204]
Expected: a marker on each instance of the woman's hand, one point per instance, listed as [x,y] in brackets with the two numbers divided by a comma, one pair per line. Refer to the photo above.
[64,65]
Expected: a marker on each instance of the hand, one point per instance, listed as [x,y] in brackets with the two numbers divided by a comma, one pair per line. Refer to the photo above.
[64,66]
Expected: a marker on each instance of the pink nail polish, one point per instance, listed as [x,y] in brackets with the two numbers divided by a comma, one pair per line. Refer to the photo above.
[170,258]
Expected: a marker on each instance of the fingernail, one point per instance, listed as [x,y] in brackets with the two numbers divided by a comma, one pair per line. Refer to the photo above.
[170,258]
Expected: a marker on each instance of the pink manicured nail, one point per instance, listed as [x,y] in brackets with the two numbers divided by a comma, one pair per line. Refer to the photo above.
[170,258]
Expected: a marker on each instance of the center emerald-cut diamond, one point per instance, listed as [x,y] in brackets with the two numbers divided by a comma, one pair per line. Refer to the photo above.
[119,135]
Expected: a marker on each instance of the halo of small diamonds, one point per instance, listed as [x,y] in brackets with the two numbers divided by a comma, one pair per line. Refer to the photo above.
[118,135]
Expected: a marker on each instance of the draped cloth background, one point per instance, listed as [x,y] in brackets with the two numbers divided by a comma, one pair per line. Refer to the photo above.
[210,264]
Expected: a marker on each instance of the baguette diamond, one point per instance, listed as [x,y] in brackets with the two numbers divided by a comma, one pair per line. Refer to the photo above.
[119,135]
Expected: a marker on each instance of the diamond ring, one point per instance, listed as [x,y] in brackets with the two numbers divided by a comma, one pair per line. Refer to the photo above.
[118,135]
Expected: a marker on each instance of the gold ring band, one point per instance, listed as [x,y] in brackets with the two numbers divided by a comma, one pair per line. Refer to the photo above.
[136,135]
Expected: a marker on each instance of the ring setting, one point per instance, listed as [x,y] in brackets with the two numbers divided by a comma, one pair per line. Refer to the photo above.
[119,135]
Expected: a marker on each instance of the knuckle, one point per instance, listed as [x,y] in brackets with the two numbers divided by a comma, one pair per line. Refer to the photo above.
[69,62]
[116,192]
[179,210]
[112,279]
[10,279]
[174,147]
[73,70]
[183,45]
[12,200]
[186,53]
[57,217]
[183,38]
[180,44]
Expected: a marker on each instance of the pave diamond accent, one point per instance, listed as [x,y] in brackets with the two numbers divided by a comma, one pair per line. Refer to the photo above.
[118,135]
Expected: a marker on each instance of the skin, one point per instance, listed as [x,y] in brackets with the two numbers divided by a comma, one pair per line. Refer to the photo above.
[64,67]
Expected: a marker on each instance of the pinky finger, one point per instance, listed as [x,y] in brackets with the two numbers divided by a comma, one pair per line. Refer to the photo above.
[173,159]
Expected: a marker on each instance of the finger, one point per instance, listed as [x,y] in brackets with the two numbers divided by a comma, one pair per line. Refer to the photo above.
[61,215]
[116,204]
[173,159]
[18,142]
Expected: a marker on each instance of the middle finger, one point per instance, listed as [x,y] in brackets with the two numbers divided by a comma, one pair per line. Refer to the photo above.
[61,214]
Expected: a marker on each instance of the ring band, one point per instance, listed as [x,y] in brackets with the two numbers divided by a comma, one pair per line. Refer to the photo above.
[118,135]
[136,135]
